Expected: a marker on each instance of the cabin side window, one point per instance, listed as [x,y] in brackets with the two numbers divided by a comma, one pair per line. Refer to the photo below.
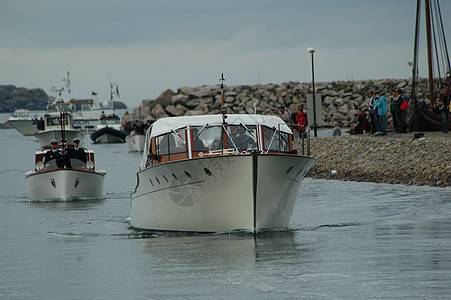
[173,142]
[274,140]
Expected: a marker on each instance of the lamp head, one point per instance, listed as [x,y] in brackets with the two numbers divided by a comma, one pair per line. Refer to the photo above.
[311,50]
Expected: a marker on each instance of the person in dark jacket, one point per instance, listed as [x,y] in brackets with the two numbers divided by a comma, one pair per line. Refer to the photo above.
[54,153]
[76,152]
[359,126]
[443,108]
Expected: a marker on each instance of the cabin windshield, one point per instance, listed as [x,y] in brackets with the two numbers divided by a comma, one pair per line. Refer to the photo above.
[211,137]
[82,107]
[53,121]
[241,137]
[77,163]
[50,164]
[204,137]
[173,142]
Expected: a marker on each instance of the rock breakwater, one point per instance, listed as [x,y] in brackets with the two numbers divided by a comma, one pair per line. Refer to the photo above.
[398,159]
[340,99]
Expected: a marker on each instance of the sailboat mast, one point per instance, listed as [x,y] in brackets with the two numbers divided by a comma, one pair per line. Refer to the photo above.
[429,48]
[416,107]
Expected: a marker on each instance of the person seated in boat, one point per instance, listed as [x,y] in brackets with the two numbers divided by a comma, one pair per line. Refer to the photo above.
[75,154]
[243,141]
[148,124]
[198,143]
[232,139]
[54,154]
[102,116]
[139,127]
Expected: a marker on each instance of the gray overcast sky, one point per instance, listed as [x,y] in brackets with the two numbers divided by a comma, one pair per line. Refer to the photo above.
[149,46]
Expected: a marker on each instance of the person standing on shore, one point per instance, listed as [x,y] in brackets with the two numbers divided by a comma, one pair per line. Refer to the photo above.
[301,121]
[359,126]
[443,108]
[284,115]
[392,109]
[337,130]
[399,116]
[372,111]
[382,106]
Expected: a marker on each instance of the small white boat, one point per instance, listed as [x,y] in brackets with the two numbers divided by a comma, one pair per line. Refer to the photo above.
[217,173]
[48,182]
[85,112]
[53,128]
[109,130]
[24,120]
[135,142]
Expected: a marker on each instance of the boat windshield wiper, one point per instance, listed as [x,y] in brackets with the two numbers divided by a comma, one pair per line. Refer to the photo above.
[247,129]
[178,134]
[200,132]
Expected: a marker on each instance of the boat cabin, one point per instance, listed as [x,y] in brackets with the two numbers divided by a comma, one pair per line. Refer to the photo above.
[54,121]
[179,138]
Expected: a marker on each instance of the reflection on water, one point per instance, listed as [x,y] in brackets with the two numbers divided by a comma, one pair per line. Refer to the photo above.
[241,248]
[73,204]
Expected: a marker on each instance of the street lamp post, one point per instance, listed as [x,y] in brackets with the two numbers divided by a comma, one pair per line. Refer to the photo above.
[311,51]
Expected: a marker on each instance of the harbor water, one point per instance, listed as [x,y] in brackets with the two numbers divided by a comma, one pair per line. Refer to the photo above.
[346,240]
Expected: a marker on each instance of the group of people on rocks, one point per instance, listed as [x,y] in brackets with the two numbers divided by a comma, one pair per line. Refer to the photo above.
[298,118]
[380,108]
[63,154]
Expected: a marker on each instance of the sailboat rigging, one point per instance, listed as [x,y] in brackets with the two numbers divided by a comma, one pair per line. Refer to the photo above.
[422,117]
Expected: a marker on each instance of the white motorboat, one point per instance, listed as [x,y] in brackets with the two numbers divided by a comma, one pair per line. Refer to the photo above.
[217,173]
[24,120]
[48,182]
[53,126]
[135,142]
[85,112]
[109,130]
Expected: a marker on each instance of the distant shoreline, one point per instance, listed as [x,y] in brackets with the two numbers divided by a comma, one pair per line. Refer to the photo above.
[395,159]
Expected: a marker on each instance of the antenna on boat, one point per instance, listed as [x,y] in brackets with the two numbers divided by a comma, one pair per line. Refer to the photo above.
[63,129]
[114,90]
[223,108]
[68,81]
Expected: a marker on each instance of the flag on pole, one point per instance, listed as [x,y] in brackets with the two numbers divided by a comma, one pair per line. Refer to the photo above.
[117,91]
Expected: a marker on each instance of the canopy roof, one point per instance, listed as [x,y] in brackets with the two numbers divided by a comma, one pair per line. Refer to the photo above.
[166,125]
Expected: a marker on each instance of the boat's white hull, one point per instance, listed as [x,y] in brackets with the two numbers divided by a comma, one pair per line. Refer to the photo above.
[46,136]
[135,142]
[64,184]
[25,127]
[108,135]
[5,125]
[217,194]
